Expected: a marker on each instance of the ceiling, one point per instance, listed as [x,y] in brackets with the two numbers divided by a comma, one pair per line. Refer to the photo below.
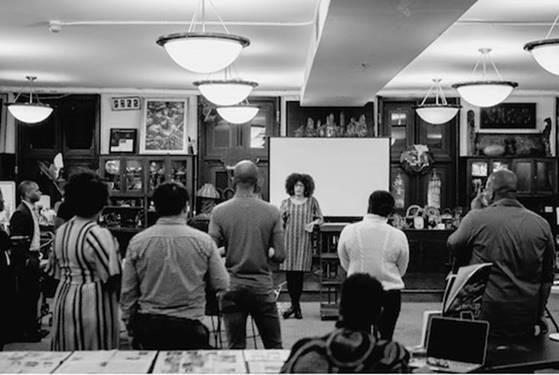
[330,52]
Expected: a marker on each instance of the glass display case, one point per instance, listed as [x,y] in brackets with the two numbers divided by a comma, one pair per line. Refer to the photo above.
[157,173]
[536,177]
[134,176]
[179,171]
[132,180]
[110,170]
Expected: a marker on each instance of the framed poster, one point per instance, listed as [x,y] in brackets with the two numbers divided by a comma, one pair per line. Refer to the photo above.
[123,141]
[163,130]
[8,190]
[509,116]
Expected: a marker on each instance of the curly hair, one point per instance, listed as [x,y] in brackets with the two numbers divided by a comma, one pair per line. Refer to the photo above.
[86,193]
[306,179]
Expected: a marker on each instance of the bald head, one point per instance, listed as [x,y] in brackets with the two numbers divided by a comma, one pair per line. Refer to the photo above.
[245,173]
[503,184]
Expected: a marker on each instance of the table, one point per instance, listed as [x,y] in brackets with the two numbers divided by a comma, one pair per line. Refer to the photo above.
[522,356]
[142,362]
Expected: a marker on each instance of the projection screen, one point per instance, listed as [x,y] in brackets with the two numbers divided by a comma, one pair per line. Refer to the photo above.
[345,170]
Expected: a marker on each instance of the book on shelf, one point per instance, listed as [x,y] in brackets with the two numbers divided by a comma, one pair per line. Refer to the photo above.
[464,291]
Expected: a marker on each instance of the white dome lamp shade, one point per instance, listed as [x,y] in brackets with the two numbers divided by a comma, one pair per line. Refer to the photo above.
[238,114]
[439,112]
[546,51]
[485,92]
[225,92]
[29,112]
[203,52]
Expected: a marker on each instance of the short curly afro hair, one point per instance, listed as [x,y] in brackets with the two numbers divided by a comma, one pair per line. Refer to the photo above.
[306,179]
[86,193]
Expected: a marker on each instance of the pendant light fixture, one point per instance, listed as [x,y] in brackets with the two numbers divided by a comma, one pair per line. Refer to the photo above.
[485,93]
[546,51]
[439,112]
[227,91]
[29,112]
[238,114]
[203,52]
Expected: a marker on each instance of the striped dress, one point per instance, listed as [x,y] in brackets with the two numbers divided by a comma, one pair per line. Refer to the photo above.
[85,308]
[298,244]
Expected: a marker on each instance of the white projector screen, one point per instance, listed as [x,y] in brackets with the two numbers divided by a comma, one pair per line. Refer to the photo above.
[345,170]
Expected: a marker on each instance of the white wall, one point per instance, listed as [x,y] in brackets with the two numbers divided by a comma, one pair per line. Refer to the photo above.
[545,107]
[134,119]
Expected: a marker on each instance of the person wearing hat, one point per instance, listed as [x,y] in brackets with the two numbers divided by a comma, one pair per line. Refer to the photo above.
[351,347]
[251,231]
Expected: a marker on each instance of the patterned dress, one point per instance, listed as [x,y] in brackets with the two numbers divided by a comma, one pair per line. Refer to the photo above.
[298,244]
[85,308]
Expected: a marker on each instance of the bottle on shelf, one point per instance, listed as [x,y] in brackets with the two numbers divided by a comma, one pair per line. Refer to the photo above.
[399,191]
[434,190]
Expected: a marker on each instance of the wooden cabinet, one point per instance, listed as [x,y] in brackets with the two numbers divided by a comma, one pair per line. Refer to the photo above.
[405,128]
[72,129]
[221,136]
[536,176]
[132,179]
[416,187]
[223,144]
[331,273]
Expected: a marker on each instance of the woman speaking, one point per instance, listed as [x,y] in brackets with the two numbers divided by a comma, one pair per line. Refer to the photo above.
[300,213]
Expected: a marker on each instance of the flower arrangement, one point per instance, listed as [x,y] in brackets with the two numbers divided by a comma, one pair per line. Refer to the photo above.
[417,159]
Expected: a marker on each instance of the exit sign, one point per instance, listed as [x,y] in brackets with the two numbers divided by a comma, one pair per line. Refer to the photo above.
[126,103]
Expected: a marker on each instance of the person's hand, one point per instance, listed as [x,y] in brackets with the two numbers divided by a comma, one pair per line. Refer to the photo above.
[480,201]
[271,252]
[309,227]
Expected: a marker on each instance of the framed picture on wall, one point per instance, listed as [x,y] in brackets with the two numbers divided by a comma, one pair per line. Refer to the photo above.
[8,189]
[163,130]
[122,141]
[509,116]
[329,121]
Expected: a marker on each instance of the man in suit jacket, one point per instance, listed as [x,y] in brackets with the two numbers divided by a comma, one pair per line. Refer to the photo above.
[25,234]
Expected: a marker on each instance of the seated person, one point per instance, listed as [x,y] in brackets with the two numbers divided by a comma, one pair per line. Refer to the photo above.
[351,347]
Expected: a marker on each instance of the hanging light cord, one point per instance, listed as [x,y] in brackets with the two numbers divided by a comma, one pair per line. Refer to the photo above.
[440,98]
[552,26]
[202,11]
[484,59]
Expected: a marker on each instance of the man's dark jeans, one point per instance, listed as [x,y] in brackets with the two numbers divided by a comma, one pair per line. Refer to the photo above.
[161,332]
[237,304]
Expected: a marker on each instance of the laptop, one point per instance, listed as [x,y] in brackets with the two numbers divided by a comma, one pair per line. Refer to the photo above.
[456,345]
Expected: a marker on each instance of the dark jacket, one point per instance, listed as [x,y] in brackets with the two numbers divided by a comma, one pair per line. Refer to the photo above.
[21,222]
[346,351]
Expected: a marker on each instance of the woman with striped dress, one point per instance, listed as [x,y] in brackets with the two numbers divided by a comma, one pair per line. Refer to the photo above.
[86,260]
[300,213]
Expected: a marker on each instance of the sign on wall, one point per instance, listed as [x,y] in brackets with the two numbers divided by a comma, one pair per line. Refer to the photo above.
[126,103]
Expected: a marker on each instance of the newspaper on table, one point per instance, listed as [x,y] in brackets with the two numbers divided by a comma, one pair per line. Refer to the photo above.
[203,361]
[108,361]
[265,361]
[268,355]
[31,362]
[130,362]
[464,291]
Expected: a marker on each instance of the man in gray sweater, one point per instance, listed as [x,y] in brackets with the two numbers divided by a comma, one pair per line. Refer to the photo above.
[252,234]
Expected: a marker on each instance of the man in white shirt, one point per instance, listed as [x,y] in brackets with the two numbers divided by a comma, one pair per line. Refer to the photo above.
[373,246]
